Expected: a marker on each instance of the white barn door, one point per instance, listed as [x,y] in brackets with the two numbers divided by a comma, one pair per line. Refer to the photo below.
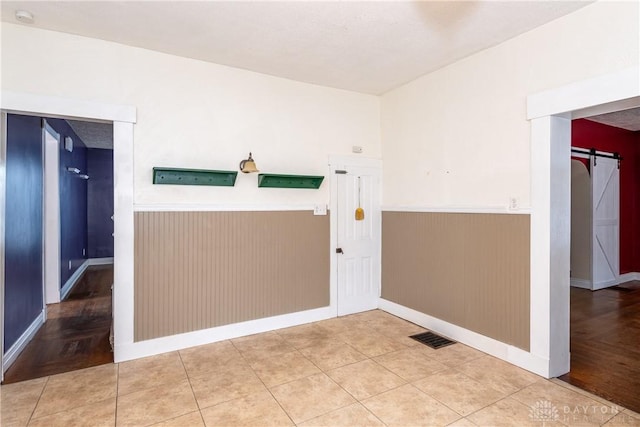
[605,188]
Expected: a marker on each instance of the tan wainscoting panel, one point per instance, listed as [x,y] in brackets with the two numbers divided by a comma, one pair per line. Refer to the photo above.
[471,270]
[197,270]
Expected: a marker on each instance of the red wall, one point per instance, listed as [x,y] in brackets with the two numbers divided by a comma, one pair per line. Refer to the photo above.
[588,134]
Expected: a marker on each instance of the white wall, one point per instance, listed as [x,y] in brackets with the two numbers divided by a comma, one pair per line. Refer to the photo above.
[580,222]
[194,114]
[458,137]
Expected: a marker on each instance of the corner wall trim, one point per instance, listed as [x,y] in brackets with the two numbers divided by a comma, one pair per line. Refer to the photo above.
[488,345]
[71,282]
[12,354]
[206,336]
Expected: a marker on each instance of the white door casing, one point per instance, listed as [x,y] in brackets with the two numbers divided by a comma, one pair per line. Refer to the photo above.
[51,141]
[358,243]
[605,208]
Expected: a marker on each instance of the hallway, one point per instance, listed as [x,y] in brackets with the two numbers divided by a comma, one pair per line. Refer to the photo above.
[605,332]
[76,333]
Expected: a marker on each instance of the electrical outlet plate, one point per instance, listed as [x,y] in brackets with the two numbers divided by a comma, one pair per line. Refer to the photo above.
[513,203]
[320,210]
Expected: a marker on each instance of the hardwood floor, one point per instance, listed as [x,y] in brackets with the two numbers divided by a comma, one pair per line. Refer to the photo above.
[76,333]
[605,343]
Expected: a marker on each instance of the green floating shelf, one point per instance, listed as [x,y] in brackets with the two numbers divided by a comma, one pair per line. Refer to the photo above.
[175,176]
[271,180]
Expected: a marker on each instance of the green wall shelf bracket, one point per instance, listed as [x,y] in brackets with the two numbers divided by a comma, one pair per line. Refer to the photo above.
[271,180]
[194,177]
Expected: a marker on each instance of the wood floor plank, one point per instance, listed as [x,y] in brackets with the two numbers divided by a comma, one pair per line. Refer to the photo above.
[605,343]
[76,333]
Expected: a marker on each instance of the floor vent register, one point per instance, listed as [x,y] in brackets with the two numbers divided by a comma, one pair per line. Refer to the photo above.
[432,340]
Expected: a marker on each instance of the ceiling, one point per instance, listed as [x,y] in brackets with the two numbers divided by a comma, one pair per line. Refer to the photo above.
[364,46]
[625,119]
[94,135]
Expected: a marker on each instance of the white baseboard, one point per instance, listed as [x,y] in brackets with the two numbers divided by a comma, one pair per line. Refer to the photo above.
[100,261]
[581,283]
[586,284]
[503,351]
[124,352]
[628,277]
[71,281]
[12,354]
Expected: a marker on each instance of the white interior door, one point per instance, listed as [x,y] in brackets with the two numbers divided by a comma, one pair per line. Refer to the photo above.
[358,242]
[605,189]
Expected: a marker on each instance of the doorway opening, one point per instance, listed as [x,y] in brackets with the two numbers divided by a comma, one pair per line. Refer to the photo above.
[73,250]
[605,259]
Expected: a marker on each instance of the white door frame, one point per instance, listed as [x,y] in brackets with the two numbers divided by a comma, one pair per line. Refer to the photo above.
[3,191]
[338,162]
[550,114]
[51,217]
[123,118]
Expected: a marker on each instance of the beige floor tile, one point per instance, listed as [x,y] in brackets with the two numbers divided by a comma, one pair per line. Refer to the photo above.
[220,387]
[408,406]
[205,359]
[566,385]
[453,355]
[284,368]
[632,413]
[259,410]
[459,392]
[462,422]
[310,397]
[573,408]
[17,401]
[508,412]
[150,372]
[262,346]
[401,334]
[94,414]
[498,374]
[304,335]
[155,404]
[365,379]
[192,419]
[332,354]
[341,325]
[352,415]
[411,364]
[78,388]
[623,419]
[371,343]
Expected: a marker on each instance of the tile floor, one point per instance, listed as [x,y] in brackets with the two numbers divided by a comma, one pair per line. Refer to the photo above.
[359,370]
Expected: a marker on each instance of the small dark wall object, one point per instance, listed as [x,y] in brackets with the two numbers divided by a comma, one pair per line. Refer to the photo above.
[432,340]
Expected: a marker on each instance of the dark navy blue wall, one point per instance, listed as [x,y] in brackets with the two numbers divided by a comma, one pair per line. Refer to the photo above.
[23,231]
[100,202]
[73,202]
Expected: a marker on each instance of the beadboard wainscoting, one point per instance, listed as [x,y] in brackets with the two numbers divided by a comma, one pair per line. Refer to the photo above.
[198,270]
[468,269]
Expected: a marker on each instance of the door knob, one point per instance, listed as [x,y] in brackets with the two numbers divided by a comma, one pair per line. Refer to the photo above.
[339,251]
